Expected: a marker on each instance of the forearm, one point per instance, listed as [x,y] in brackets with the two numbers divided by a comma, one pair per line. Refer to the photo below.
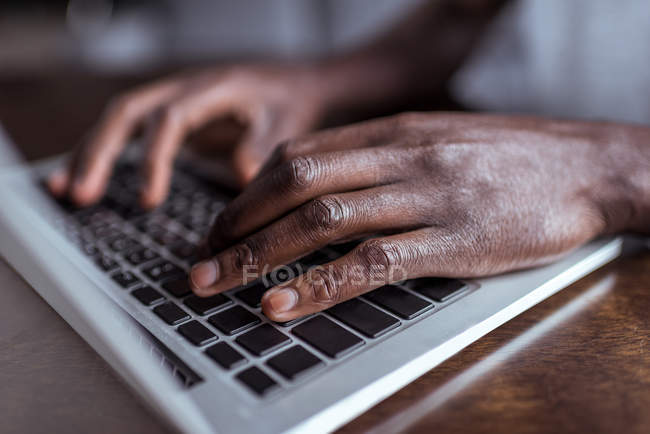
[415,58]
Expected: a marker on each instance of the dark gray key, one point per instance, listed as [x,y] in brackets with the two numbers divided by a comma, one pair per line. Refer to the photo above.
[206,305]
[252,295]
[363,318]
[140,255]
[185,251]
[294,362]
[263,339]
[171,313]
[234,320]
[225,355]
[125,279]
[257,381]
[197,333]
[89,249]
[106,263]
[162,270]
[437,288]
[316,258]
[177,287]
[327,336]
[148,296]
[398,301]
[121,243]
[281,274]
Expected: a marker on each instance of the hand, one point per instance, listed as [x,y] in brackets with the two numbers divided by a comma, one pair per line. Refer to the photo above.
[275,103]
[455,195]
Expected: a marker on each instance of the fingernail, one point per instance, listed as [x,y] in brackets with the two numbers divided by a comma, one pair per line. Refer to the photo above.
[204,274]
[282,300]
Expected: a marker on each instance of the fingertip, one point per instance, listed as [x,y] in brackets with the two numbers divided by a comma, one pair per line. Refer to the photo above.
[150,200]
[246,168]
[83,194]
[57,182]
[155,189]
[278,303]
[204,275]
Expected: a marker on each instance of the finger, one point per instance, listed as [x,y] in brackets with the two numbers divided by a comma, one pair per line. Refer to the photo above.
[250,153]
[266,130]
[362,135]
[312,226]
[374,263]
[92,164]
[300,180]
[58,181]
[177,120]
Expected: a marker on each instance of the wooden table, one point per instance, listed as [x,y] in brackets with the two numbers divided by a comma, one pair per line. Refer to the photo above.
[577,362]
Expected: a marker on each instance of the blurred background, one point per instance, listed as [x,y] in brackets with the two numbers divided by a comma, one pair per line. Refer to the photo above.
[60,61]
[117,36]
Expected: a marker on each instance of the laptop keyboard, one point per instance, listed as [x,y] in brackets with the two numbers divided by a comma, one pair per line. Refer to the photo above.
[149,254]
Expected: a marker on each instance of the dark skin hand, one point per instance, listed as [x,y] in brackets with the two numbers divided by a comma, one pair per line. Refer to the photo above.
[441,194]
[261,96]
[455,195]
[273,101]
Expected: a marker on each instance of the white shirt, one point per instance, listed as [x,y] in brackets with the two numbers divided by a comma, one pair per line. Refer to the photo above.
[566,58]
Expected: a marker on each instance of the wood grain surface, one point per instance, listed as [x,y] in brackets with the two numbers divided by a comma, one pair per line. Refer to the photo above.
[577,362]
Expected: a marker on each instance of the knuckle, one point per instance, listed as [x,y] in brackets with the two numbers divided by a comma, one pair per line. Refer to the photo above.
[301,173]
[325,285]
[283,152]
[123,106]
[381,254]
[325,214]
[172,115]
[244,255]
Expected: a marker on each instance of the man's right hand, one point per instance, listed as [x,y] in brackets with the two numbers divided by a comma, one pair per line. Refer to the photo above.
[275,103]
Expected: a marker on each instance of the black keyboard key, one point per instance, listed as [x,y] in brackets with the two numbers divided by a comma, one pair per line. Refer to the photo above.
[185,251]
[294,362]
[316,258]
[206,305]
[141,255]
[165,237]
[252,295]
[162,270]
[398,301]
[171,313]
[105,231]
[125,279]
[437,288]
[263,339]
[148,296]
[363,318]
[225,355]
[106,263]
[327,336]
[257,381]
[233,320]
[179,287]
[197,333]
[344,248]
[89,249]
[122,243]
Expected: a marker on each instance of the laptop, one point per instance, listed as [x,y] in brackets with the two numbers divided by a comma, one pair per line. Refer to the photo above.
[118,277]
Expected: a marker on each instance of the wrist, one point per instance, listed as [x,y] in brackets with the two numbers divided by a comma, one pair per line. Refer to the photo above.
[359,80]
[625,194]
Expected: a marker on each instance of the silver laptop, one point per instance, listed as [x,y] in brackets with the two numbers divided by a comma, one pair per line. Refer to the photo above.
[117,276]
